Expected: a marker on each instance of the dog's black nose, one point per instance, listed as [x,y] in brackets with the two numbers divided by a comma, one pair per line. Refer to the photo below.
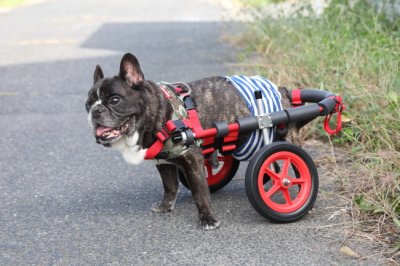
[97,112]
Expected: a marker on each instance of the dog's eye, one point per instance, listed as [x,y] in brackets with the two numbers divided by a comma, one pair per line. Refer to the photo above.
[114,100]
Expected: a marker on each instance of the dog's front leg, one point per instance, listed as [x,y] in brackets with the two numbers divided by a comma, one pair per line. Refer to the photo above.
[192,163]
[170,182]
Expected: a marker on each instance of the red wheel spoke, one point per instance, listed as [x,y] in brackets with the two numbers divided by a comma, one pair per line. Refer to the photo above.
[272,190]
[297,180]
[272,174]
[222,158]
[292,186]
[286,194]
[209,170]
[220,174]
[285,168]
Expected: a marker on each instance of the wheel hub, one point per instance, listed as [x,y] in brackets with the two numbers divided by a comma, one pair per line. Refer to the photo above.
[286,182]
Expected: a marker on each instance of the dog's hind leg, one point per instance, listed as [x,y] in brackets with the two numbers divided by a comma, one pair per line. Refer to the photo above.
[192,164]
[170,182]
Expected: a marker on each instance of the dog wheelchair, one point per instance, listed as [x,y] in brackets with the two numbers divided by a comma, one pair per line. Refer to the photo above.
[281,179]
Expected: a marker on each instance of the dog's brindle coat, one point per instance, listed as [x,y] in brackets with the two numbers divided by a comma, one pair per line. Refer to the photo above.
[136,109]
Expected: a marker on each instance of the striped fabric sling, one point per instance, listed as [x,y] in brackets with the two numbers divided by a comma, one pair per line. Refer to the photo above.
[271,103]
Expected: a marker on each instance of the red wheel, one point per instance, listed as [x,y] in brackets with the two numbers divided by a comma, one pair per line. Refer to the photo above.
[282,182]
[219,177]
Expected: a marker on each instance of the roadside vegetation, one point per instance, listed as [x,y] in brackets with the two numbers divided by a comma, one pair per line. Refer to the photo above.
[352,49]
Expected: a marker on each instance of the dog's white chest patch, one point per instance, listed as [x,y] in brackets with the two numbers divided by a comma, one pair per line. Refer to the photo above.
[131,152]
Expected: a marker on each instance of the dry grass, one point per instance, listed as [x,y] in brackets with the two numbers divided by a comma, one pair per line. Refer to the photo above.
[352,50]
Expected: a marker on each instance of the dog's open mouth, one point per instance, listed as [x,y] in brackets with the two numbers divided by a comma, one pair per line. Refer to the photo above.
[108,134]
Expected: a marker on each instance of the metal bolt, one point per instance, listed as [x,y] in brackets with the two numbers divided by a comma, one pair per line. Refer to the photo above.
[286,182]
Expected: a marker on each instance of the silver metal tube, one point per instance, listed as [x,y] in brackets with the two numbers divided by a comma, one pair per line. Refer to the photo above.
[265,131]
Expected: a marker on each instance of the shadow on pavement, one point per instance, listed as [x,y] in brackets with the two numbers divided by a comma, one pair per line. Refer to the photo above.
[49,158]
[193,49]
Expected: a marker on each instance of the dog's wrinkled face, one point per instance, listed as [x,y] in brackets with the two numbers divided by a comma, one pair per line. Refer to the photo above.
[115,104]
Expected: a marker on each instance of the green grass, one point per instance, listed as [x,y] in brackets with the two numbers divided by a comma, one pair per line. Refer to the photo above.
[353,51]
[10,3]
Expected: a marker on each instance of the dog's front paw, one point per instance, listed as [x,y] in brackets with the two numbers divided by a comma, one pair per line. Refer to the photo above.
[209,223]
[159,207]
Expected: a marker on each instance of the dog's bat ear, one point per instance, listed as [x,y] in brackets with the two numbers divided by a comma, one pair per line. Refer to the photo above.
[98,74]
[130,71]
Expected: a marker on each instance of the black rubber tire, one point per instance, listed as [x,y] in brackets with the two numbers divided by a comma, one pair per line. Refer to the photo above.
[251,183]
[219,185]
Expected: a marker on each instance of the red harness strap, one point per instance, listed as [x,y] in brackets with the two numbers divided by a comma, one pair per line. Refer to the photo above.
[157,146]
[154,149]
[192,122]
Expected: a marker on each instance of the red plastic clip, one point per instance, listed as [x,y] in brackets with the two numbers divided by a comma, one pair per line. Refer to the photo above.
[296,97]
[338,109]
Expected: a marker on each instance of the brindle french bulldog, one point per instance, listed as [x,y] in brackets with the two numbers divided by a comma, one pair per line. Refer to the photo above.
[125,112]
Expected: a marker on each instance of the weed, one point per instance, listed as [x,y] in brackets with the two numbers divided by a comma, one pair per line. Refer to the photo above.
[353,50]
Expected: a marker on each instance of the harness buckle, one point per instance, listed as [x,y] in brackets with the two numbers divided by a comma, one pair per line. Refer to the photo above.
[165,91]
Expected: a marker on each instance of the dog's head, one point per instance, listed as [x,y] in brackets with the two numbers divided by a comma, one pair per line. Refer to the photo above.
[115,104]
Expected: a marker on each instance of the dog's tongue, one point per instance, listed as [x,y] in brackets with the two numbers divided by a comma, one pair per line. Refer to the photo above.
[100,130]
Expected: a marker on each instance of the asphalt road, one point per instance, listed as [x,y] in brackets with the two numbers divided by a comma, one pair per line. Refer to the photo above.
[65,200]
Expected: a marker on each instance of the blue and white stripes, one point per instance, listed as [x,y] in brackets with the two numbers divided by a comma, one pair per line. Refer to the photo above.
[271,103]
